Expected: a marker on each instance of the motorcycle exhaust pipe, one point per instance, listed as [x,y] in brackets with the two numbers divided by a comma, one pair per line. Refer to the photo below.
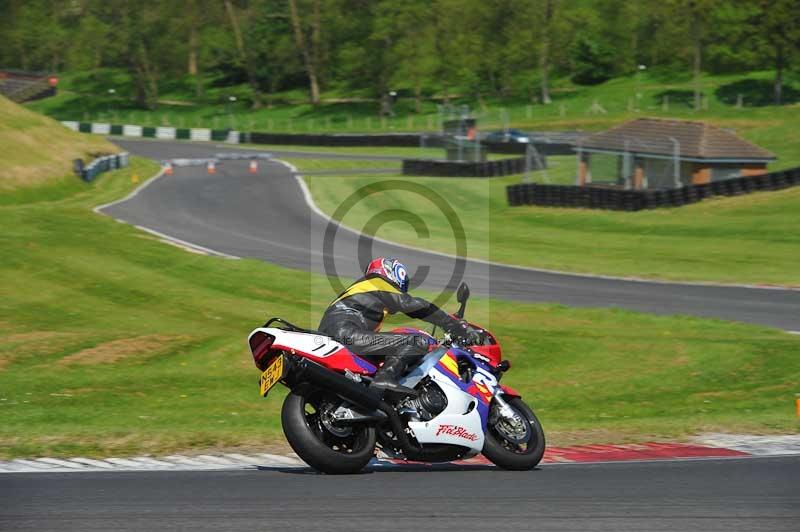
[358,394]
[354,392]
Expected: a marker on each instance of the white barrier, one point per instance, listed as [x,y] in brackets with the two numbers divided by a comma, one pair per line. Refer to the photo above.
[165,132]
[101,129]
[200,134]
[132,131]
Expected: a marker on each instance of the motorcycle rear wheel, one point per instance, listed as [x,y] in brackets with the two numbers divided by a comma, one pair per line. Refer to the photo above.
[519,451]
[326,448]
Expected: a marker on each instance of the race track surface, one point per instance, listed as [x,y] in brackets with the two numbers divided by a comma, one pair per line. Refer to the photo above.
[714,495]
[266,216]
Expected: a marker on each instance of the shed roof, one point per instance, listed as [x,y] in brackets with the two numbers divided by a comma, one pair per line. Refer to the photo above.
[697,140]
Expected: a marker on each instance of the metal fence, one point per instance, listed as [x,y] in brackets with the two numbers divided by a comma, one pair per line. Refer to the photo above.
[663,163]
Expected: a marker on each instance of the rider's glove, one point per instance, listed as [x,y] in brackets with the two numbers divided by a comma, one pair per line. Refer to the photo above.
[467,334]
[473,336]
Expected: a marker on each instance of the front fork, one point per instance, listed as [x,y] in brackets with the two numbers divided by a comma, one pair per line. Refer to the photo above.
[503,411]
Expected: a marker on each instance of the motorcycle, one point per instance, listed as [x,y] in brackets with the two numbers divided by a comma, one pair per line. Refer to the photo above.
[335,422]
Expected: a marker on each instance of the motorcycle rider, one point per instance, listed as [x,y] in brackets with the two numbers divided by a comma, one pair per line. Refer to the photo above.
[355,317]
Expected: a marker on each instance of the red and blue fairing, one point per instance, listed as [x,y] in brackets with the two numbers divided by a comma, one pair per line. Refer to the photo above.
[482,384]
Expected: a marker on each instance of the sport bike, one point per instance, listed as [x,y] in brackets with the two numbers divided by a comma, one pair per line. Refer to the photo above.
[336,423]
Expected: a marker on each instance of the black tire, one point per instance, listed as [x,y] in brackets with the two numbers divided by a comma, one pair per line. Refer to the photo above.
[318,447]
[512,455]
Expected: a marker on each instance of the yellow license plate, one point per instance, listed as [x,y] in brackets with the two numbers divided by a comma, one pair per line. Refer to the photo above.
[272,375]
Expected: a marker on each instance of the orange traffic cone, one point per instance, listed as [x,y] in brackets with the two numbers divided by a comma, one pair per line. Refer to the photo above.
[168,169]
[253,167]
[212,167]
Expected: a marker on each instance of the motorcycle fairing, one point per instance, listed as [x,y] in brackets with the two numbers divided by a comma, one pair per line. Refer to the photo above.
[322,349]
[460,423]
[463,422]
[448,366]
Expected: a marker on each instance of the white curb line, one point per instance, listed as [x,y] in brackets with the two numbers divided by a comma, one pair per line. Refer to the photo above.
[205,462]
[753,445]
[774,445]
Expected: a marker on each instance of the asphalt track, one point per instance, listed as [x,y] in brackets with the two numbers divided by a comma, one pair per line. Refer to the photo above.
[266,216]
[710,495]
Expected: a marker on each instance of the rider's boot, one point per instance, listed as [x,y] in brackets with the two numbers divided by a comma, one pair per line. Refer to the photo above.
[385,379]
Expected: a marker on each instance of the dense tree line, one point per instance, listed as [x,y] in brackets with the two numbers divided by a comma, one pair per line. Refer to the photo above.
[477,48]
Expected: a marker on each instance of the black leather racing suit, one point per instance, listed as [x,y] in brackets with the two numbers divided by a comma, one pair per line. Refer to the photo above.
[354,318]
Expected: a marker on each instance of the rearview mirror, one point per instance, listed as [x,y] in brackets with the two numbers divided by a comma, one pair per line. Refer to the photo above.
[462,294]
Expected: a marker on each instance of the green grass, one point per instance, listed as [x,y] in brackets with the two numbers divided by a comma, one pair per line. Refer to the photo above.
[559,172]
[112,342]
[746,239]
[344,166]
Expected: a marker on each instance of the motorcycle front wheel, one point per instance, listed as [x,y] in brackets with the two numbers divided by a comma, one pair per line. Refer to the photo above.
[516,444]
[325,446]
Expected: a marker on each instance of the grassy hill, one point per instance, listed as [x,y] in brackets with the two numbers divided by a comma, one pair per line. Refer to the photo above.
[35,149]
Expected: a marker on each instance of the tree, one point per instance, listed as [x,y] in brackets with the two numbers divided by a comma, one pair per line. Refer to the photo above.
[455,44]
[544,53]
[507,42]
[37,34]
[245,53]
[699,12]
[274,53]
[681,30]
[504,48]
[412,46]
[593,61]
[144,43]
[195,18]
[308,39]
[776,22]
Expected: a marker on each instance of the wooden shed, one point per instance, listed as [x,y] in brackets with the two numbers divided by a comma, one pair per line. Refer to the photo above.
[653,153]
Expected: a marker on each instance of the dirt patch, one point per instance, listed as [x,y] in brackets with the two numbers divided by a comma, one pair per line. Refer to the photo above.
[116,350]
[15,346]
[33,336]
